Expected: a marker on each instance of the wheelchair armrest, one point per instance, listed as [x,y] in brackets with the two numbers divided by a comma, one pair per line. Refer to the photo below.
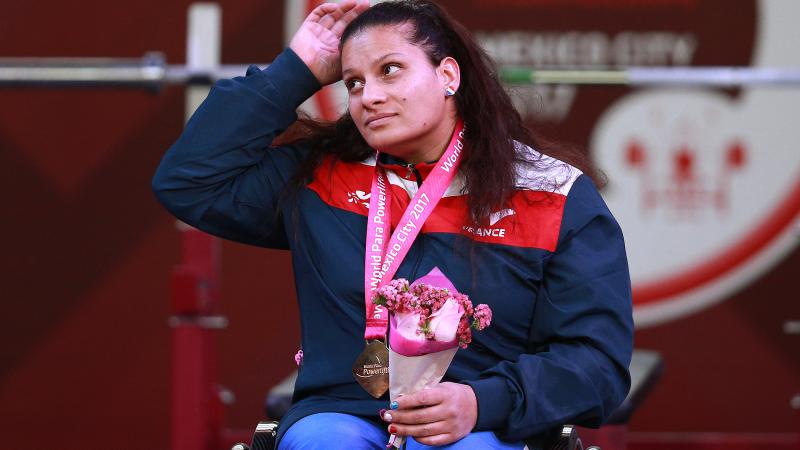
[263,437]
[564,438]
[279,398]
[646,369]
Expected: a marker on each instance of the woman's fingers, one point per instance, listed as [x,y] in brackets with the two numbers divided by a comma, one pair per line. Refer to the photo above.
[336,17]
[437,440]
[321,11]
[447,428]
[421,430]
[426,397]
[350,11]
[419,416]
[329,20]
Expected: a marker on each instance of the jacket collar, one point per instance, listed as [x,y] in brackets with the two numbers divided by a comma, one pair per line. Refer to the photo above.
[405,170]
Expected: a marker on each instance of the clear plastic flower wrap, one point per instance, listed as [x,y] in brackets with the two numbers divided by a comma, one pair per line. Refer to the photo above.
[429,320]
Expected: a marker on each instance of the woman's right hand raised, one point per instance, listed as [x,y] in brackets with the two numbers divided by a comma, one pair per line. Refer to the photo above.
[317,40]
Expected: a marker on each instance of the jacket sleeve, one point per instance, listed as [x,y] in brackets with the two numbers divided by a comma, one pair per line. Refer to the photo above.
[581,336]
[220,175]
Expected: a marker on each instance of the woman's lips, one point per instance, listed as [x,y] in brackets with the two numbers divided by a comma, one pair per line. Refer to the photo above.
[378,120]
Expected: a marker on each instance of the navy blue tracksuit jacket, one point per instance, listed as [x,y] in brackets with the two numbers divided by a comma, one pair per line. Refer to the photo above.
[551,265]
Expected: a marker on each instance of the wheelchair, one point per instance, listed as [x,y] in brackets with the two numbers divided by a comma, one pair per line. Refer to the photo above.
[646,368]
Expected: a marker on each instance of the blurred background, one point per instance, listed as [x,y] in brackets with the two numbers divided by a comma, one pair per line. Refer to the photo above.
[704,180]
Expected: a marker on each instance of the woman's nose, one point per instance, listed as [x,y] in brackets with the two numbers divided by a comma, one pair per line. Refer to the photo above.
[373,93]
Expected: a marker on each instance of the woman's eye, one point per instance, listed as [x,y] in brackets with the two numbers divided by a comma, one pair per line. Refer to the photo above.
[353,84]
[390,69]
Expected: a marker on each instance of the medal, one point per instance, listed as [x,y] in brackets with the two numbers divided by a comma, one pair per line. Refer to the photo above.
[371,368]
[384,254]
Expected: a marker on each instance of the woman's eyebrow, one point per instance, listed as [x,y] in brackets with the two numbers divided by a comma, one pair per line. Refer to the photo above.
[345,72]
[388,55]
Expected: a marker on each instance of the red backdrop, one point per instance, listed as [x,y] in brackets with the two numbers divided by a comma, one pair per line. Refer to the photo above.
[87,253]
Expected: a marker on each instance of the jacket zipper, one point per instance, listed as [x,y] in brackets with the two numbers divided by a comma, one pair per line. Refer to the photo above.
[411,170]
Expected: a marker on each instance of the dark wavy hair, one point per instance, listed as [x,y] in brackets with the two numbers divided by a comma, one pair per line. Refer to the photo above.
[491,160]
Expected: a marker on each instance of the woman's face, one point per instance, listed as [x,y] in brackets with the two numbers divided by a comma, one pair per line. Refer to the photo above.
[396,96]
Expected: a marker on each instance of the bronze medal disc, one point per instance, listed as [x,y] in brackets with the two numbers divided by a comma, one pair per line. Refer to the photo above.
[371,369]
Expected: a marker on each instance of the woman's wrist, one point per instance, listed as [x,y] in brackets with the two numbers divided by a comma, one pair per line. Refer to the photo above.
[290,77]
[493,402]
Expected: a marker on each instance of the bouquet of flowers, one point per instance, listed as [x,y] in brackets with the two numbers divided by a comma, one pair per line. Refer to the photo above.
[429,320]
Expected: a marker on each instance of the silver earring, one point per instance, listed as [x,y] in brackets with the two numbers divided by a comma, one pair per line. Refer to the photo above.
[449,92]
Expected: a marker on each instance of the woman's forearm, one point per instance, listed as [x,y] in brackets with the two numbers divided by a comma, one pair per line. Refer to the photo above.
[220,175]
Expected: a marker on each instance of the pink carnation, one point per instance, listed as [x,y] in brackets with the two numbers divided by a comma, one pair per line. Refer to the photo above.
[482,317]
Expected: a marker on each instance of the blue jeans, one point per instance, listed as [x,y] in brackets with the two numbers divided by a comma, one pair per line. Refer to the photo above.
[336,430]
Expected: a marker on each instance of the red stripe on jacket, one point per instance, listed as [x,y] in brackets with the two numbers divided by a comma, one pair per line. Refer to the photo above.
[531,220]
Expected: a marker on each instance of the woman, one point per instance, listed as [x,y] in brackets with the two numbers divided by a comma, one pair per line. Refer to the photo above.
[525,233]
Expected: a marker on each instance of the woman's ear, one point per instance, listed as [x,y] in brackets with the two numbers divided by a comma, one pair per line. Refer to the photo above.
[450,74]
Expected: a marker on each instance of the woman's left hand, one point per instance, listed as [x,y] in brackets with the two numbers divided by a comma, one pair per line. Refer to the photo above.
[436,416]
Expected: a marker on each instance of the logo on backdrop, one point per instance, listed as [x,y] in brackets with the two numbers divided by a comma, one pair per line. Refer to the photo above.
[679,182]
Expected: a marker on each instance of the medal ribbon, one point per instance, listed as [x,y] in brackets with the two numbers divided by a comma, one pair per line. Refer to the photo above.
[383,256]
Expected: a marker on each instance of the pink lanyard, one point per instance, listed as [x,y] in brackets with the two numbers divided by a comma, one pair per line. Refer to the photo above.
[383,256]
